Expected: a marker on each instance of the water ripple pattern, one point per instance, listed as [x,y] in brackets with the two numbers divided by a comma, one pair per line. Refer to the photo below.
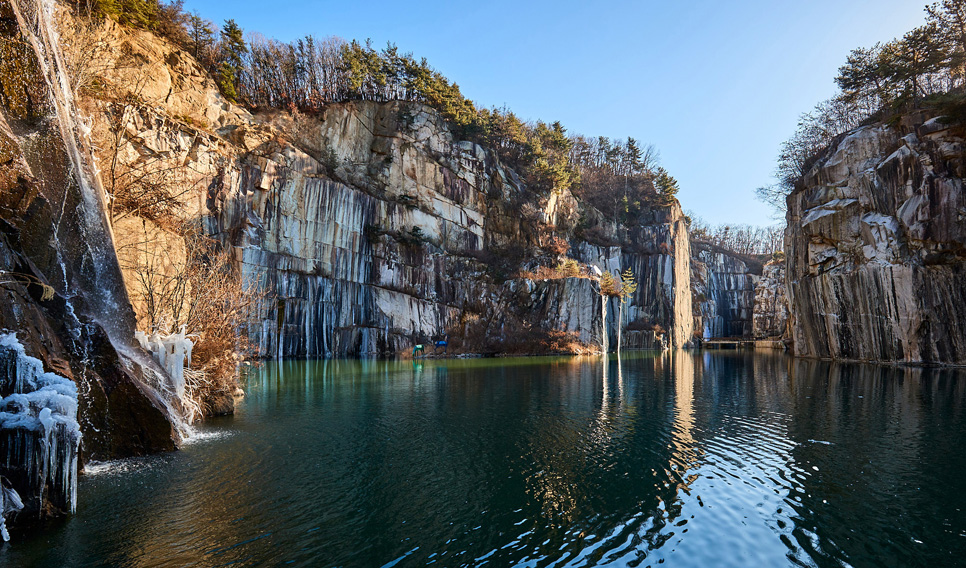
[683,459]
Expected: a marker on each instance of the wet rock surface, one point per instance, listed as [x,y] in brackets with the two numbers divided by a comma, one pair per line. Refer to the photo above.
[53,273]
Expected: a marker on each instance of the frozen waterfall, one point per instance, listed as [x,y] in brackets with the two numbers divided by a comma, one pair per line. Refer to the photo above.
[172,351]
[38,430]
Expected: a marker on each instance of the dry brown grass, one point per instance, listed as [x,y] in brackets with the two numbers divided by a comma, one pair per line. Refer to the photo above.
[221,304]
[569,268]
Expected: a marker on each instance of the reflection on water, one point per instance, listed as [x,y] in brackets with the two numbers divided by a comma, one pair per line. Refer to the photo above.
[690,459]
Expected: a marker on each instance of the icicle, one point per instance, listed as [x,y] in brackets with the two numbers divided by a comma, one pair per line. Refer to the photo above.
[36,21]
[10,502]
[39,422]
[142,339]
[172,352]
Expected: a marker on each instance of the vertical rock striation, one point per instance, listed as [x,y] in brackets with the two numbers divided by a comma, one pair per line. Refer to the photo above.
[875,244]
[724,288]
[372,226]
[657,252]
[771,303]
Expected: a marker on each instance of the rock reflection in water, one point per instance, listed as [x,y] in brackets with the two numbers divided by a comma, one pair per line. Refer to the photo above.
[692,459]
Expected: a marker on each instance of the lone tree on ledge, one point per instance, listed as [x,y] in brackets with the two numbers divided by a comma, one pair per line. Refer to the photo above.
[607,288]
[628,286]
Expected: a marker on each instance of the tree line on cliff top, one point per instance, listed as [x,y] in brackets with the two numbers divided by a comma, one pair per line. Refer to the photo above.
[923,69]
[621,178]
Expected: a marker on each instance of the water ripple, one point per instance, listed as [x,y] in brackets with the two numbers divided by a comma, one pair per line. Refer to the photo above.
[719,459]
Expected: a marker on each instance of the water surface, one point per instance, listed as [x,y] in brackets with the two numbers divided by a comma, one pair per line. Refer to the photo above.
[685,459]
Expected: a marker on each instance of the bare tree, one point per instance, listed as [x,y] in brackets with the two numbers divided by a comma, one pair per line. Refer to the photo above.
[197,286]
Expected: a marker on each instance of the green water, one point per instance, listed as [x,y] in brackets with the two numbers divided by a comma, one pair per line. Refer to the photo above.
[690,459]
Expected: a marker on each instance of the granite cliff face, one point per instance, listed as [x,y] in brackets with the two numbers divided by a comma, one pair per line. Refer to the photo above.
[770,318]
[371,226]
[724,288]
[875,247]
[658,254]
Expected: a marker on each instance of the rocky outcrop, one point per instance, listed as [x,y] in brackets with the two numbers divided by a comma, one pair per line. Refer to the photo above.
[368,227]
[62,298]
[875,245]
[373,226]
[658,258]
[723,284]
[770,319]
[377,227]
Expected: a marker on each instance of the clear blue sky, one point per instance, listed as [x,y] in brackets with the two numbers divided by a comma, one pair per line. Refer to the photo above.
[716,86]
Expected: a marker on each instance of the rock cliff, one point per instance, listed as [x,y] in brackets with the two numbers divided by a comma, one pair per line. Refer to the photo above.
[770,319]
[65,317]
[372,226]
[875,246]
[723,285]
[367,228]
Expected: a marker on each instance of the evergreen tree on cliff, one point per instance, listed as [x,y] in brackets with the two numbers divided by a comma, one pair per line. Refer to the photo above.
[666,185]
[233,48]
[202,37]
[949,17]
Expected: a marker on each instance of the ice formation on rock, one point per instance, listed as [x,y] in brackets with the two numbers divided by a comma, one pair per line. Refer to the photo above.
[39,433]
[171,351]
[9,503]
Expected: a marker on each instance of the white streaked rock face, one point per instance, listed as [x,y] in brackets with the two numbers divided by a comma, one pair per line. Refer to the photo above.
[875,243]
[372,225]
[366,227]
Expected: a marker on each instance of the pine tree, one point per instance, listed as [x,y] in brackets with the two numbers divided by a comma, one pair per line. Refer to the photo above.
[233,48]
[202,35]
[666,185]
[628,286]
[862,77]
[949,17]
[136,13]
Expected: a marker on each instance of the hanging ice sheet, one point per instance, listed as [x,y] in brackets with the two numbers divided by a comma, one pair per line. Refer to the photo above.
[39,434]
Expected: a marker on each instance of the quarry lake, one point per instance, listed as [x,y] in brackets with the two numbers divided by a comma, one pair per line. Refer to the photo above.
[686,458]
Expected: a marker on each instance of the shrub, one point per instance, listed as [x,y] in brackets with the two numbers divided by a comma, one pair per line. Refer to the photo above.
[203,292]
[568,268]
